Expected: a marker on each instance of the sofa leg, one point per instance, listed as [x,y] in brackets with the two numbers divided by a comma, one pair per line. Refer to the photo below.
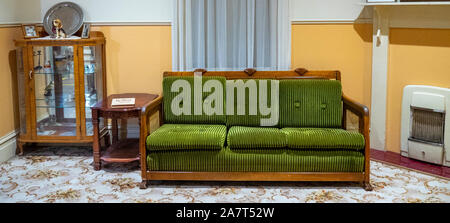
[143,184]
[367,186]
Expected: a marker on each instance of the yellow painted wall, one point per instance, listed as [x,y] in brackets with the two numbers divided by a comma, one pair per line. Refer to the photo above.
[416,56]
[136,57]
[8,82]
[344,47]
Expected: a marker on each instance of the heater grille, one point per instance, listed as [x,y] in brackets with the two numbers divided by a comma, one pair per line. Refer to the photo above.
[427,125]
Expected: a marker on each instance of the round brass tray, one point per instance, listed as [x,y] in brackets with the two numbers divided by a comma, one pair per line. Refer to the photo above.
[70,14]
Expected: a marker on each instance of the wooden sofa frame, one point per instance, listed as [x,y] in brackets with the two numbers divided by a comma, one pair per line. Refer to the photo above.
[348,105]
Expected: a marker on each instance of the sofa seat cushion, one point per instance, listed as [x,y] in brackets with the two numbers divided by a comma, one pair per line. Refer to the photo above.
[241,137]
[187,137]
[259,160]
[323,138]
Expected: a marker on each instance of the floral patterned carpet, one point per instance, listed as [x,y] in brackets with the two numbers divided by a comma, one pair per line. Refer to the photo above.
[66,175]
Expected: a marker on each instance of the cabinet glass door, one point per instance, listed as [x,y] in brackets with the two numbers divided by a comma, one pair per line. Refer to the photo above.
[54,80]
[21,92]
[93,83]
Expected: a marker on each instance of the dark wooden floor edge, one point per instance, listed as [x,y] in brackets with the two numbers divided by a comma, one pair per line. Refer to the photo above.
[406,167]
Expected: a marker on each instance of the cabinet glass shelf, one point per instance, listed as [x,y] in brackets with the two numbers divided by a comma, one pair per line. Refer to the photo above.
[56,74]
[60,73]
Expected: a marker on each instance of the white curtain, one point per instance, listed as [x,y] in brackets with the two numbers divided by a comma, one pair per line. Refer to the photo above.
[231,35]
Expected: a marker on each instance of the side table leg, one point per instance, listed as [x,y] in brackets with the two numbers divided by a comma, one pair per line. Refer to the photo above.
[96,141]
[107,140]
[115,131]
[123,128]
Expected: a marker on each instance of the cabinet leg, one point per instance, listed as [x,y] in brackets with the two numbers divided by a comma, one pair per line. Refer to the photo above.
[143,184]
[19,149]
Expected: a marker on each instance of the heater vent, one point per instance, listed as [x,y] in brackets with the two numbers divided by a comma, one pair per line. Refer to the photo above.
[427,125]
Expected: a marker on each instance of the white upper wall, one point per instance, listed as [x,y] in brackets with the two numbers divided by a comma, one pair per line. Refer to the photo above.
[142,11]
[7,11]
[98,11]
[327,10]
[19,11]
[117,11]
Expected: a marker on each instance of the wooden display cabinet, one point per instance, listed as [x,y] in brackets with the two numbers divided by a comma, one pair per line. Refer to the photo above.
[58,83]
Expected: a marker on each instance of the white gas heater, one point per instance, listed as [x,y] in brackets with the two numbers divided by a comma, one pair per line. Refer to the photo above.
[425,127]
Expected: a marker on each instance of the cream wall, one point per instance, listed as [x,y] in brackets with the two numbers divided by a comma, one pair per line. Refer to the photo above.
[419,57]
[344,47]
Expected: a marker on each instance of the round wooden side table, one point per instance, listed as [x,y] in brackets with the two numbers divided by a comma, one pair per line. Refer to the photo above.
[123,150]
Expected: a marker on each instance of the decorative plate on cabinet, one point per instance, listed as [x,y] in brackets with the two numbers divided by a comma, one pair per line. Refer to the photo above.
[70,14]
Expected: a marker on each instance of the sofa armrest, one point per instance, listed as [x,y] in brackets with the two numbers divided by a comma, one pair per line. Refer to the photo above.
[147,111]
[364,121]
[359,109]
[150,107]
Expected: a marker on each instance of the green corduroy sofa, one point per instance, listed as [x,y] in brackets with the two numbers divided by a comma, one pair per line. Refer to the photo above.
[307,142]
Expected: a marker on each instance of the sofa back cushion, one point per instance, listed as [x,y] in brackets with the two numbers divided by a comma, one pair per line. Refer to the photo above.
[243,101]
[310,103]
[181,95]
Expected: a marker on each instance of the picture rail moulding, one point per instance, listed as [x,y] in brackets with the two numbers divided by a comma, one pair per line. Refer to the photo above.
[169,23]
[158,23]
[403,3]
